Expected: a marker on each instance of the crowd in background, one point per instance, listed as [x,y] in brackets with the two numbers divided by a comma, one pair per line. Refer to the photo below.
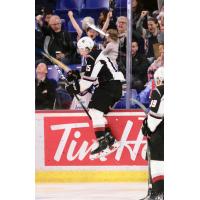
[60,35]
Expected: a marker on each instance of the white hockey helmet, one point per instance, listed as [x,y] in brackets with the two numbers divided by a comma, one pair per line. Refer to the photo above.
[85,43]
[159,76]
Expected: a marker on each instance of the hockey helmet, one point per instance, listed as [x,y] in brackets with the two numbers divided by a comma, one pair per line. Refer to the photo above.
[159,76]
[85,43]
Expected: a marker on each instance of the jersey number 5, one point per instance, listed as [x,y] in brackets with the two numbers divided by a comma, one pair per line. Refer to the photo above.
[88,68]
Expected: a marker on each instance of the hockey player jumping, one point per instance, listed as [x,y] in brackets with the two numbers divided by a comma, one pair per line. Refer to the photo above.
[107,93]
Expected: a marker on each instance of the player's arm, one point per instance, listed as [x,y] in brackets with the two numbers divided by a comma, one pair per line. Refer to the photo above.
[107,22]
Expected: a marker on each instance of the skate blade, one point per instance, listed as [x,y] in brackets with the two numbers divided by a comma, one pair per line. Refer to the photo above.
[106,151]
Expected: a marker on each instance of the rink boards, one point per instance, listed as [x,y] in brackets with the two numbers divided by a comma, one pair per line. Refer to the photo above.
[64,140]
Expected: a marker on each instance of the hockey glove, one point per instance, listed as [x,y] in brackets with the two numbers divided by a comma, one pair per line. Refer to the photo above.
[73,88]
[145,129]
[73,75]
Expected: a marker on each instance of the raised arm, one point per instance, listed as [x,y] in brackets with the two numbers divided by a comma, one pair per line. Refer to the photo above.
[139,24]
[75,24]
[107,22]
[38,19]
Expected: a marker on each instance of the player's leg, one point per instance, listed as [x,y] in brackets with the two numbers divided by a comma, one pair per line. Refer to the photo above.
[157,174]
[99,122]
[100,103]
[115,94]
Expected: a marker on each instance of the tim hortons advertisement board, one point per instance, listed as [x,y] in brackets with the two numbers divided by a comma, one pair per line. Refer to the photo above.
[68,139]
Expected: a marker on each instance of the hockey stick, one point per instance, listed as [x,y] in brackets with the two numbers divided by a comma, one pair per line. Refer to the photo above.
[148,148]
[97,29]
[79,101]
[56,62]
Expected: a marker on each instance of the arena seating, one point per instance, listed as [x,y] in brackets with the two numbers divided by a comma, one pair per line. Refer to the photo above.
[91,4]
[83,8]
[93,8]
[121,3]
[69,4]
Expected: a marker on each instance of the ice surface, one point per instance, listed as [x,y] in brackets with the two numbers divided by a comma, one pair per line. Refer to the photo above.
[91,191]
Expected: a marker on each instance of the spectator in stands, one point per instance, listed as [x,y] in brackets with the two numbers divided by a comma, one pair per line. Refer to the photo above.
[140,65]
[121,24]
[45,89]
[60,44]
[44,17]
[109,23]
[136,12]
[48,12]
[152,35]
[106,20]
[159,62]
[85,31]
[42,20]
[102,18]
[122,31]
[160,18]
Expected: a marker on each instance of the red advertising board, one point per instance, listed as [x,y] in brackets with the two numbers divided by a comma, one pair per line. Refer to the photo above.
[68,140]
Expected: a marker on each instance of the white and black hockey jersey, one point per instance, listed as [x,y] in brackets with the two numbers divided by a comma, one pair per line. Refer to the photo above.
[155,122]
[102,71]
[156,113]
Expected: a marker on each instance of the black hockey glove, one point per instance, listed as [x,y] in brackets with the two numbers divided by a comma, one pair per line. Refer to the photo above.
[145,129]
[73,88]
[73,75]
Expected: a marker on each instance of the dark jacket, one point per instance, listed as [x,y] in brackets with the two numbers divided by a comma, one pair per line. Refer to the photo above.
[60,41]
[45,93]
[140,66]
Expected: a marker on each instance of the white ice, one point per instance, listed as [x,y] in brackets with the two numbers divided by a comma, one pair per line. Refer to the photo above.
[91,191]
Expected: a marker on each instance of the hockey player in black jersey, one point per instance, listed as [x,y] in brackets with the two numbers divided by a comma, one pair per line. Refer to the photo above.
[109,90]
[153,128]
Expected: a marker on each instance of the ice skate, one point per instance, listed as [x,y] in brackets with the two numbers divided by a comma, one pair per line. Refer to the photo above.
[110,149]
[154,196]
[106,146]
[110,138]
[102,145]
